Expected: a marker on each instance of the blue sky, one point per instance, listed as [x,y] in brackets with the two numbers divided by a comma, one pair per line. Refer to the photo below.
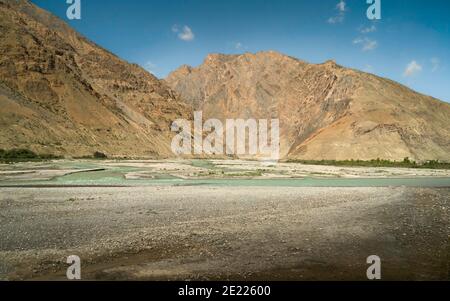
[410,44]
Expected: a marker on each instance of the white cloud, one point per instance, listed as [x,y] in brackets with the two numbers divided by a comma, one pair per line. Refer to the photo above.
[150,67]
[337,19]
[341,7]
[366,43]
[369,29]
[186,34]
[412,69]
[435,63]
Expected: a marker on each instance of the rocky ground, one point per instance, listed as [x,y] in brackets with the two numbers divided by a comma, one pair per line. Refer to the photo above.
[243,233]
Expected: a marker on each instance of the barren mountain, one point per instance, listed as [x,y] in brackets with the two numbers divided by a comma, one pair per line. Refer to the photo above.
[62,94]
[325,111]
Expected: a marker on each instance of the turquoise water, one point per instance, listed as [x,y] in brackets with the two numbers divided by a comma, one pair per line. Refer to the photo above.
[203,164]
[116,178]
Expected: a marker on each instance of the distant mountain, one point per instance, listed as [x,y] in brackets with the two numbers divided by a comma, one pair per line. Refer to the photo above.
[325,111]
[62,94]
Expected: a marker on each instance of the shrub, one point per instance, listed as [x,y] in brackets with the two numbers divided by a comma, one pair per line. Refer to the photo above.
[23,155]
[19,154]
[407,162]
[100,155]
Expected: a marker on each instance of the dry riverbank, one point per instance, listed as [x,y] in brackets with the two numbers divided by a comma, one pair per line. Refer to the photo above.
[200,232]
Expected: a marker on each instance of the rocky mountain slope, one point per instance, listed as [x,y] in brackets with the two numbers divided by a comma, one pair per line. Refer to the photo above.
[62,94]
[325,111]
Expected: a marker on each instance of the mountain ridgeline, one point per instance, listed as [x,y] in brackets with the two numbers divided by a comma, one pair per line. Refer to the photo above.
[326,112]
[62,94]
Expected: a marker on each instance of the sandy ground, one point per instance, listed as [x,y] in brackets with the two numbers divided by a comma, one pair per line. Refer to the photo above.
[242,233]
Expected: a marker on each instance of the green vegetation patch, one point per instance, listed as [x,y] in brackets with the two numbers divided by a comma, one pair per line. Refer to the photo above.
[406,163]
[20,155]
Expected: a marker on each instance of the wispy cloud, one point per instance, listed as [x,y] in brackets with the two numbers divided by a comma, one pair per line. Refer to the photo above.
[366,43]
[150,67]
[368,29]
[435,64]
[368,69]
[412,69]
[184,34]
[341,8]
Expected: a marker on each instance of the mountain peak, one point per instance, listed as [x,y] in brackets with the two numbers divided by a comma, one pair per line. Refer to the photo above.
[222,58]
[326,111]
[330,63]
[63,94]
[214,58]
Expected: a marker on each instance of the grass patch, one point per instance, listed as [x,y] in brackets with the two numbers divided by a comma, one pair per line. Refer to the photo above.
[24,155]
[203,164]
[406,163]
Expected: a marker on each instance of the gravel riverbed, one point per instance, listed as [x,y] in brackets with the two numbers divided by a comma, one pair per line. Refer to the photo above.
[238,233]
